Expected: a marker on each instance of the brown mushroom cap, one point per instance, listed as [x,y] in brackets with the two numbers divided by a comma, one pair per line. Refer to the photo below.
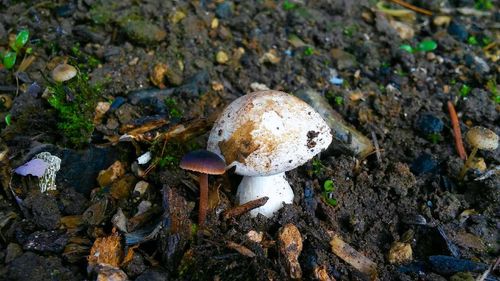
[203,161]
[63,72]
[482,138]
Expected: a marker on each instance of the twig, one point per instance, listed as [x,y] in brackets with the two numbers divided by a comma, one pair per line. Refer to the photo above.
[413,8]
[489,270]
[241,209]
[377,148]
[456,131]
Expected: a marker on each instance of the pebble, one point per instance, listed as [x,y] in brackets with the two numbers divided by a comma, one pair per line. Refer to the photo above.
[112,173]
[423,164]
[271,56]
[141,187]
[224,10]
[458,31]
[428,123]
[143,207]
[100,110]
[221,57]
[400,253]
[441,20]
[143,32]
[13,251]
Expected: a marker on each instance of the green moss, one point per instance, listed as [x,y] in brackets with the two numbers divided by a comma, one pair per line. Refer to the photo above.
[75,101]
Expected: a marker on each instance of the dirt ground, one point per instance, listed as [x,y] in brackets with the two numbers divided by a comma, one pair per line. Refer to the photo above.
[152,76]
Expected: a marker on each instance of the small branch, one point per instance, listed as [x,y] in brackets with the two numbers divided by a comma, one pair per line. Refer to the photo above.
[456,131]
[377,148]
[241,209]
[413,8]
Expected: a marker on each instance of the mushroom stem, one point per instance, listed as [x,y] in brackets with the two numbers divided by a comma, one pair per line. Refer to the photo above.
[203,199]
[275,187]
[467,163]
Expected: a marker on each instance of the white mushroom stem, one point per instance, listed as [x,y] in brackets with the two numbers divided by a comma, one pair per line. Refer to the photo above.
[275,187]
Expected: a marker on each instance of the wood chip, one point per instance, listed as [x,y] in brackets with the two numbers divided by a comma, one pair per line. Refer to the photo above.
[240,249]
[353,257]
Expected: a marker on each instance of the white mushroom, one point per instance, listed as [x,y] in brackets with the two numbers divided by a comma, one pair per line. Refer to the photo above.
[267,133]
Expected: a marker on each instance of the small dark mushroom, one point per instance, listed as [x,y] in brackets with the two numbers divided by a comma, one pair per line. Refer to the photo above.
[206,163]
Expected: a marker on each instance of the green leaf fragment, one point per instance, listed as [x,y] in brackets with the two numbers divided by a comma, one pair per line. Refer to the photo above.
[427,46]
[472,40]
[465,90]
[406,47]
[21,39]
[328,197]
[8,119]
[328,186]
[288,5]
[309,51]
[9,60]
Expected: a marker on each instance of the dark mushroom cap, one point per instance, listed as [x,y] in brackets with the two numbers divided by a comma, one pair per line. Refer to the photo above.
[482,138]
[203,161]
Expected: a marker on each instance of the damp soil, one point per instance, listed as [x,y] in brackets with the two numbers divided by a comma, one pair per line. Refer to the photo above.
[208,53]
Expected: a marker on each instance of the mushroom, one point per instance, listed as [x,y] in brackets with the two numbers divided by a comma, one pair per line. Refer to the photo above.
[63,72]
[262,135]
[479,138]
[206,163]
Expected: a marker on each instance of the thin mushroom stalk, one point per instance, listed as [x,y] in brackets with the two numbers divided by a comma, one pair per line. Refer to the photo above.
[202,212]
[467,163]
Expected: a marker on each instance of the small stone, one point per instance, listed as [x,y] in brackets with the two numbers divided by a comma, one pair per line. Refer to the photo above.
[221,57]
[13,251]
[404,30]
[424,163]
[141,187]
[215,23]
[112,173]
[400,253]
[271,56]
[144,32]
[119,220]
[441,20]
[458,31]
[430,56]
[143,207]
[217,86]
[121,189]
[157,74]
[177,16]
[428,123]
[174,75]
[110,273]
[144,158]
[344,59]
[133,61]
[255,236]
[100,110]
[224,10]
